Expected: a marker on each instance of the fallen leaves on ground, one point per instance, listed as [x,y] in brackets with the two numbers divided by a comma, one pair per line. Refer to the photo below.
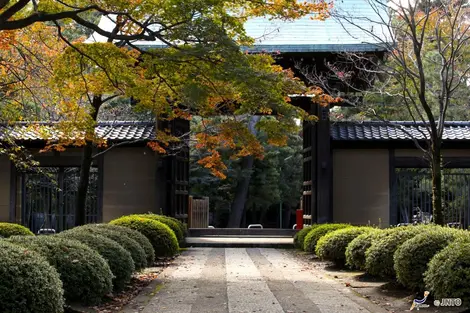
[116,302]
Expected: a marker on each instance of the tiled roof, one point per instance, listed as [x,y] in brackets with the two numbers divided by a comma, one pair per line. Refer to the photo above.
[306,34]
[340,131]
[399,131]
[113,131]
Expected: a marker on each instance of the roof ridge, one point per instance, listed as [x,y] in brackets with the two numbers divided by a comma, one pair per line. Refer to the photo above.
[391,123]
[123,122]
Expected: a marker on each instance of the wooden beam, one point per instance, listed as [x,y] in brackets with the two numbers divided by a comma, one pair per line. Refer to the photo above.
[13,192]
[393,214]
[323,167]
[419,162]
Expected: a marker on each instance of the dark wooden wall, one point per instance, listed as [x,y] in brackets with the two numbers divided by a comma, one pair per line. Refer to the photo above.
[317,166]
[176,169]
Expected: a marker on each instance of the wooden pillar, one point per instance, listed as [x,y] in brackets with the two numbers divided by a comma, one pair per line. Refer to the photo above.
[177,166]
[317,167]
[324,181]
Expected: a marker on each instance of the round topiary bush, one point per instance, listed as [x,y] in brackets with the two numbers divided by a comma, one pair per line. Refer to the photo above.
[28,283]
[299,237]
[119,259]
[356,250]
[136,251]
[332,246]
[448,274]
[163,239]
[412,257]
[11,229]
[379,257]
[174,226]
[137,236]
[85,274]
[316,233]
[181,225]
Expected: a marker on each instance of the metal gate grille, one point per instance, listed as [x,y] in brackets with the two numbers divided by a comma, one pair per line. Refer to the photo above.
[48,198]
[413,194]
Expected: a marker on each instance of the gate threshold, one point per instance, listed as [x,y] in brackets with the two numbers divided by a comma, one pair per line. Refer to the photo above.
[240,242]
[245,232]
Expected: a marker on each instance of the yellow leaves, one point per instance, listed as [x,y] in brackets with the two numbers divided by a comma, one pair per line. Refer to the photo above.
[155,146]
[278,141]
[288,9]
[7,39]
[265,110]
[321,98]
[98,68]
[214,163]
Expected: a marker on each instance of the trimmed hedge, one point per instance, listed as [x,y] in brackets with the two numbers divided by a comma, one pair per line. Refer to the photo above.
[28,284]
[299,237]
[356,250]
[137,236]
[119,259]
[175,226]
[332,246]
[181,225]
[379,257]
[136,251]
[316,233]
[163,239]
[85,274]
[448,274]
[11,229]
[412,257]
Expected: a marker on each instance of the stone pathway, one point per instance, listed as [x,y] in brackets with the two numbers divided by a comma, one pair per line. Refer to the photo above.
[248,280]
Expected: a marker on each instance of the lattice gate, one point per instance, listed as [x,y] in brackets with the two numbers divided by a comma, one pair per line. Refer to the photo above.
[48,198]
[412,195]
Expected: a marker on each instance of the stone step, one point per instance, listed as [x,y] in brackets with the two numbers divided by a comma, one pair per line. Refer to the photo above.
[240,242]
[238,232]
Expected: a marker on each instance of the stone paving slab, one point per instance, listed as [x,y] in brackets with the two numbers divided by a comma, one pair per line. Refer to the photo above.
[248,280]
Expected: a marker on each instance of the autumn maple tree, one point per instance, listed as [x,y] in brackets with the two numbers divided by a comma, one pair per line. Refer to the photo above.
[199,69]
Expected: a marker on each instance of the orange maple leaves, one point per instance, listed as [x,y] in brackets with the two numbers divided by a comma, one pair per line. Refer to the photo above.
[7,39]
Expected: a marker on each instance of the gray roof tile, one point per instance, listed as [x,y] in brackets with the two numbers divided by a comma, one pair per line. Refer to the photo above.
[340,131]
[114,131]
[368,131]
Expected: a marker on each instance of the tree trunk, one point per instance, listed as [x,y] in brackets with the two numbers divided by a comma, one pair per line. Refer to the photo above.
[87,159]
[241,191]
[436,171]
[287,215]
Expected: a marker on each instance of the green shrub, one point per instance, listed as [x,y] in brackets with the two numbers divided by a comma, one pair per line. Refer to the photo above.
[316,233]
[136,251]
[356,250]
[174,226]
[379,257]
[332,246]
[181,225]
[119,259]
[85,274]
[28,283]
[163,239]
[137,236]
[11,229]
[299,237]
[412,257]
[448,274]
